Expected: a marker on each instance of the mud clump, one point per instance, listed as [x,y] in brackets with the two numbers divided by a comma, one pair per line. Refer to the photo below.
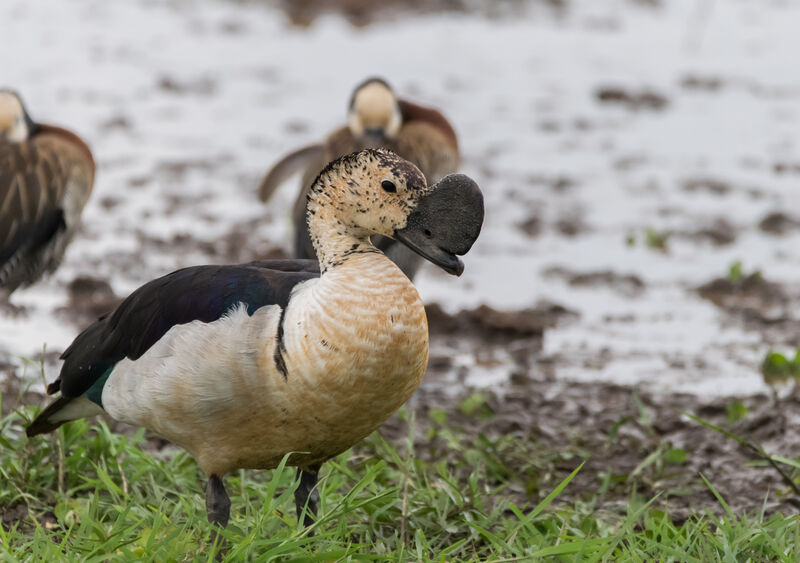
[531,227]
[118,122]
[109,202]
[89,299]
[786,168]
[360,13]
[751,291]
[708,185]
[16,513]
[571,225]
[778,223]
[757,305]
[701,83]
[628,284]
[176,170]
[719,233]
[634,101]
[203,86]
[558,183]
[487,323]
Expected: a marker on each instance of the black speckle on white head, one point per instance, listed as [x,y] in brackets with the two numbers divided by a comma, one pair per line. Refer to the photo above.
[15,124]
[374,116]
[371,192]
[375,192]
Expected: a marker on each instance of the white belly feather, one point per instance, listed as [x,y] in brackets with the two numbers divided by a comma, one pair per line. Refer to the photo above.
[194,372]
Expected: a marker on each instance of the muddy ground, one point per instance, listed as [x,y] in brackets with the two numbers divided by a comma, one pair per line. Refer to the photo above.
[637,444]
[634,443]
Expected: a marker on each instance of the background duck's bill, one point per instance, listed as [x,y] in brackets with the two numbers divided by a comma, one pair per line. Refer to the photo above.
[446,222]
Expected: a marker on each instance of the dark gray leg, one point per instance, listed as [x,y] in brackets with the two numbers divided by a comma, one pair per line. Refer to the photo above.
[218,508]
[307,496]
[218,505]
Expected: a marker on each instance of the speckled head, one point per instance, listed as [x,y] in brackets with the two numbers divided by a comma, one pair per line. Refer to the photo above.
[374,115]
[369,192]
[15,123]
[377,192]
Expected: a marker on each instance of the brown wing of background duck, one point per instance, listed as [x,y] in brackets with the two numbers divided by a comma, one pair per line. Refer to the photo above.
[45,181]
[426,138]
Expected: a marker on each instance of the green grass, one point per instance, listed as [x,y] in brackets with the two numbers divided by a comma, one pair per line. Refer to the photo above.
[94,495]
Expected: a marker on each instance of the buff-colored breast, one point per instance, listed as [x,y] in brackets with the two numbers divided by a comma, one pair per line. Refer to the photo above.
[364,340]
[356,348]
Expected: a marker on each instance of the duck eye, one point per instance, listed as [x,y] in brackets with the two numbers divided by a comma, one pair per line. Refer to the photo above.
[389,186]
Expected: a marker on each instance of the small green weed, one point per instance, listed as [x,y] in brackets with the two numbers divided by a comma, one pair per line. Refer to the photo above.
[656,240]
[777,367]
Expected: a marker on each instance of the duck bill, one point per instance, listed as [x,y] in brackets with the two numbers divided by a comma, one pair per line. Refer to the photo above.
[445,223]
[375,136]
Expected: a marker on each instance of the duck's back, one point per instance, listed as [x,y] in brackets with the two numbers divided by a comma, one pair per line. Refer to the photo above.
[44,185]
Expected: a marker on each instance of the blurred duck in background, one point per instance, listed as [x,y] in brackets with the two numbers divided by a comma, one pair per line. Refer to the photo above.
[46,177]
[377,118]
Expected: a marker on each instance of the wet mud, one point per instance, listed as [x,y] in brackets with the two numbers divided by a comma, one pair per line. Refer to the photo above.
[635,443]
[360,13]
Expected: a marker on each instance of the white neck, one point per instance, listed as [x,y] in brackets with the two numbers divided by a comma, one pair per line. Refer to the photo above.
[333,240]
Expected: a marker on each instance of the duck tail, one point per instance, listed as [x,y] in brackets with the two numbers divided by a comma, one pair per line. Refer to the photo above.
[44,422]
[290,164]
[63,409]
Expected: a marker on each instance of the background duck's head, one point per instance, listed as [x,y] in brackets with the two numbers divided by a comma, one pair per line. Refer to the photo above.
[375,192]
[15,123]
[374,116]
